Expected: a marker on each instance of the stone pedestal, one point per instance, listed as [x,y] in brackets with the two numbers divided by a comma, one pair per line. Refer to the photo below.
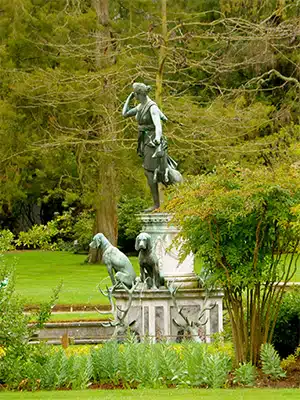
[163,235]
[154,310]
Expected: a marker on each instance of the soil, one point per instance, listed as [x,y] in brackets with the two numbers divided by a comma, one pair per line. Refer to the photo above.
[292,379]
[108,386]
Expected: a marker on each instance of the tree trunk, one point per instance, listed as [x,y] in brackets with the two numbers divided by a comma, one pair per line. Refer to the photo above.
[105,201]
[106,207]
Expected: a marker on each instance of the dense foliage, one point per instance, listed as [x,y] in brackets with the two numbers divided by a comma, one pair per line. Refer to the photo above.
[287,327]
[132,365]
[271,362]
[128,365]
[227,76]
[227,73]
[15,331]
[245,226]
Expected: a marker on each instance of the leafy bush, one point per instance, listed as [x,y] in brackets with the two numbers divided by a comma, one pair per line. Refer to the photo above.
[205,365]
[74,226]
[287,328]
[215,370]
[39,236]
[245,375]
[19,361]
[6,240]
[235,220]
[83,230]
[60,233]
[271,362]
[13,323]
[130,364]
[288,362]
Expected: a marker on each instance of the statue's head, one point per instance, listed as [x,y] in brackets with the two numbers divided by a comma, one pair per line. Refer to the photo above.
[140,90]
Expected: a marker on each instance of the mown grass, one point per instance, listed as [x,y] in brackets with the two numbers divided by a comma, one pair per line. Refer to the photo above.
[160,394]
[78,316]
[38,272]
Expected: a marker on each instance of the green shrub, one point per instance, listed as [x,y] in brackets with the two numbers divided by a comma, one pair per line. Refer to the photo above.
[130,364]
[106,362]
[206,367]
[245,374]
[21,362]
[215,370]
[171,368]
[194,358]
[13,323]
[271,362]
[39,236]
[288,362]
[6,240]
[83,230]
[60,233]
[54,371]
[80,371]
[287,329]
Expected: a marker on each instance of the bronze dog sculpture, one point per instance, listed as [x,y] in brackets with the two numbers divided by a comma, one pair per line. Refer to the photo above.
[115,261]
[148,261]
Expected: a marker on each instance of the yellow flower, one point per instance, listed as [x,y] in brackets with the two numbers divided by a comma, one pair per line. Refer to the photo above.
[2,352]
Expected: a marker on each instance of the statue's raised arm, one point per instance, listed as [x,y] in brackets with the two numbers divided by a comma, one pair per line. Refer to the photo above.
[152,145]
[127,111]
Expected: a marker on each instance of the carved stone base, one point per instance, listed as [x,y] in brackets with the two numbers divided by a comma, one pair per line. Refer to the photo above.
[153,312]
[163,235]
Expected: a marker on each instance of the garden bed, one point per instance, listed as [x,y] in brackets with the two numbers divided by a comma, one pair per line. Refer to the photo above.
[292,379]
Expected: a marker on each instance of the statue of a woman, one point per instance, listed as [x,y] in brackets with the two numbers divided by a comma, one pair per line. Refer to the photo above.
[152,145]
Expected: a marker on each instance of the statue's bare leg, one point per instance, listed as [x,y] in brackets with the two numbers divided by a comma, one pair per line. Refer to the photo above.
[154,190]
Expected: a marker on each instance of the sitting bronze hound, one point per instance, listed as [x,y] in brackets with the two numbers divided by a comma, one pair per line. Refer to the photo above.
[148,261]
[115,261]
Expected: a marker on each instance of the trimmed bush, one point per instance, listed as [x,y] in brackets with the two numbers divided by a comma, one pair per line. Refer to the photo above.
[287,329]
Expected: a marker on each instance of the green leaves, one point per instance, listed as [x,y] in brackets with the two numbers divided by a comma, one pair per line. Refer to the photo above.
[271,362]
[243,224]
[6,240]
[245,374]
[227,215]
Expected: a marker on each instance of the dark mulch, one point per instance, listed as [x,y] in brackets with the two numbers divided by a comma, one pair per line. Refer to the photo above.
[292,379]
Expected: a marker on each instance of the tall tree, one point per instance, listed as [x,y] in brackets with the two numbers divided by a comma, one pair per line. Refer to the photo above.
[245,227]
[105,202]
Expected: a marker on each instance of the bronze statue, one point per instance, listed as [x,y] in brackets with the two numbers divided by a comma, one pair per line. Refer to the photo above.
[115,261]
[152,145]
[149,265]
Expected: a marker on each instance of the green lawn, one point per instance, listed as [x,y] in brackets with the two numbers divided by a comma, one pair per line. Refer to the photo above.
[161,394]
[78,316]
[37,272]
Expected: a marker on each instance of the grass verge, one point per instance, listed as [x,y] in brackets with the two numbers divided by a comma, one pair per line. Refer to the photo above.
[38,272]
[78,316]
[160,394]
